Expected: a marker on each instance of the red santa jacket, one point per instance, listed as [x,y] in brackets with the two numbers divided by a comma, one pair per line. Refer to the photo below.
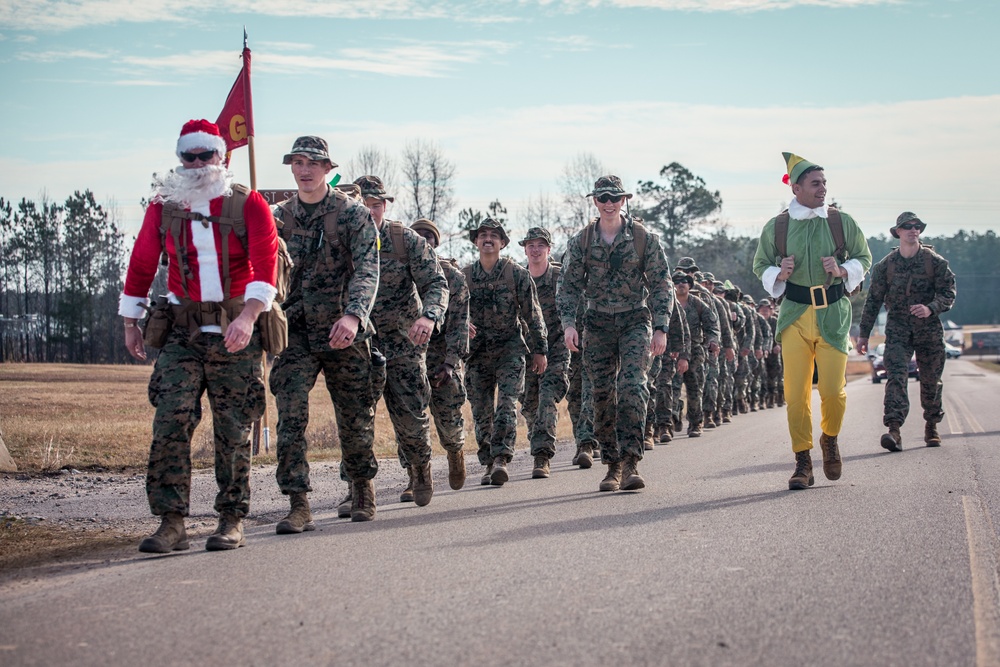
[252,272]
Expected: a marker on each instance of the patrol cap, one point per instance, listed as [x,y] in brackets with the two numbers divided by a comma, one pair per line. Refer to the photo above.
[699,276]
[747,299]
[680,276]
[536,233]
[707,276]
[425,224]
[489,223]
[312,147]
[905,217]
[718,287]
[765,302]
[687,264]
[372,187]
[609,185]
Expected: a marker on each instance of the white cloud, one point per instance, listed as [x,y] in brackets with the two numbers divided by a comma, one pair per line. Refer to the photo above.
[712,5]
[64,54]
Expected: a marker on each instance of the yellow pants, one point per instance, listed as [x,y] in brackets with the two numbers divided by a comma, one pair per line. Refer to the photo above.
[801,345]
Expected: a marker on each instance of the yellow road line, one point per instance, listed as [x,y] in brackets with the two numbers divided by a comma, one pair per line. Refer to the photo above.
[982,540]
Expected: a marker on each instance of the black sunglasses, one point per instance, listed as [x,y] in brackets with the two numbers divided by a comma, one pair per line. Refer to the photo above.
[191,157]
[604,199]
[919,226]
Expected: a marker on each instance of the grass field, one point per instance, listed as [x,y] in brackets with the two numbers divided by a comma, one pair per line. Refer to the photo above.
[82,416]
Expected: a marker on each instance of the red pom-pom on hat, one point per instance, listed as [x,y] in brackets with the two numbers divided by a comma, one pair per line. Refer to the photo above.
[785,179]
[200,134]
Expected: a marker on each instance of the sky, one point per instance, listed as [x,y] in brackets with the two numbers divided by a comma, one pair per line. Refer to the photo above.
[899,100]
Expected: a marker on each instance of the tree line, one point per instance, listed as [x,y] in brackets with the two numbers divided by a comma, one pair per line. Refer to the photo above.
[62,264]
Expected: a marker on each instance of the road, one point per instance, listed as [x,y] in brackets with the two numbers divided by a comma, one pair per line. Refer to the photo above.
[714,563]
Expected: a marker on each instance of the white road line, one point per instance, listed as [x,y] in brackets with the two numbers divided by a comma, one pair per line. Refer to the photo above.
[982,540]
[953,424]
[976,427]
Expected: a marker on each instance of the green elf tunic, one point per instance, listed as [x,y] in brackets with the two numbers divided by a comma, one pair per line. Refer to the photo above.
[809,240]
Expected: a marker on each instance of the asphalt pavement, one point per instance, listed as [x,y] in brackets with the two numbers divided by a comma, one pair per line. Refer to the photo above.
[714,563]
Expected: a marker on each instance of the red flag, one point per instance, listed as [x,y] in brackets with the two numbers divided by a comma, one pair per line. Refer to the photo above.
[236,120]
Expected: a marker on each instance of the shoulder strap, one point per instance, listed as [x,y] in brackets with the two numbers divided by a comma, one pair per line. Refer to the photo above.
[928,262]
[639,241]
[890,265]
[836,223]
[398,244]
[232,220]
[172,220]
[586,240]
[781,234]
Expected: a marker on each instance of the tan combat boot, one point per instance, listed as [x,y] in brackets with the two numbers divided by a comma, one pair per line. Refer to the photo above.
[299,519]
[832,465]
[170,536]
[423,485]
[694,430]
[931,436]
[892,440]
[802,478]
[407,495]
[487,475]
[541,469]
[362,500]
[344,508]
[228,535]
[499,476]
[727,417]
[613,480]
[456,469]
[631,479]
[584,457]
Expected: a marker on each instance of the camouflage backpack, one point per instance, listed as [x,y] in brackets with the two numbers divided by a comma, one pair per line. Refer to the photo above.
[890,269]
[639,237]
[231,220]
[332,234]
[507,276]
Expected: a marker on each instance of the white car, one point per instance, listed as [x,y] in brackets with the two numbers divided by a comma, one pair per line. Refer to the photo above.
[952,351]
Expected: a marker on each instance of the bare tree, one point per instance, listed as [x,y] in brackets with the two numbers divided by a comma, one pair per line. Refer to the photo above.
[372,161]
[546,212]
[428,182]
[576,181]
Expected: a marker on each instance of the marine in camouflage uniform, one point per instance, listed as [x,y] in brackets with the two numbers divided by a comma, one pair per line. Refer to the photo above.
[215,348]
[661,374]
[917,286]
[581,408]
[627,296]
[727,371]
[712,399]
[502,302]
[446,354]
[704,326]
[333,243]
[749,342]
[410,305]
[774,386]
[762,348]
[543,392]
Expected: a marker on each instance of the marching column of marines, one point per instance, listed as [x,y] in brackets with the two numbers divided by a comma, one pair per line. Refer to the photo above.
[326,283]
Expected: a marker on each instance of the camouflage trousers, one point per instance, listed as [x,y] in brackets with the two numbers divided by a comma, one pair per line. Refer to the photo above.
[665,391]
[407,397]
[900,344]
[774,380]
[616,354]
[742,378]
[580,402]
[350,381]
[693,382]
[494,381]
[540,400]
[757,382]
[652,378]
[710,397]
[184,371]
[446,406]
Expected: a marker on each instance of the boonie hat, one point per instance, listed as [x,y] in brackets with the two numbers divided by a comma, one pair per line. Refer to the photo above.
[490,223]
[905,217]
[680,276]
[536,233]
[372,187]
[609,185]
[312,147]
[687,264]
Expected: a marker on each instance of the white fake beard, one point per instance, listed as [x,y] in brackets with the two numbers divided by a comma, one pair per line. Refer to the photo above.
[184,186]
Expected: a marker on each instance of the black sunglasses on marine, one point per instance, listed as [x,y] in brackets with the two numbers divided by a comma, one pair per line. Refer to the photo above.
[604,199]
[909,225]
[191,157]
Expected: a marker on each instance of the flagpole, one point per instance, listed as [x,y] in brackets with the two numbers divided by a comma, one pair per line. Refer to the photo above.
[265,421]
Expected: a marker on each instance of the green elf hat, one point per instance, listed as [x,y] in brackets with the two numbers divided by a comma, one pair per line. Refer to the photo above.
[796,166]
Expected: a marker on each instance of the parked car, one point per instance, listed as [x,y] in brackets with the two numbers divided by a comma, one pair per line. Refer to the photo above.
[952,351]
[878,365]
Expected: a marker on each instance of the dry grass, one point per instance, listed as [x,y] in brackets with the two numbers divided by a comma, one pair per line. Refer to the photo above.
[92,416]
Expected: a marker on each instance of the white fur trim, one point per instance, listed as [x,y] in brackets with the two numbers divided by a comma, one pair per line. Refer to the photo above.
[771,283]
[200,140]
[132,306]
[262,291]
[855,274]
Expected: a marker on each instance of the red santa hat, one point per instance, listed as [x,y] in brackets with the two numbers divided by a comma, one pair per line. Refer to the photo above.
[200,134]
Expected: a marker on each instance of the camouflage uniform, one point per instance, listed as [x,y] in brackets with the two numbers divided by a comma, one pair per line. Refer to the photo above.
[662,370]
[408,289]
[711,401]
[704,326]
[617,329]
[335,274]
[450,345]
[905,333]
[766,343]
[774,390]
[580,403]
[744,369]
[495,371]
[543,393]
